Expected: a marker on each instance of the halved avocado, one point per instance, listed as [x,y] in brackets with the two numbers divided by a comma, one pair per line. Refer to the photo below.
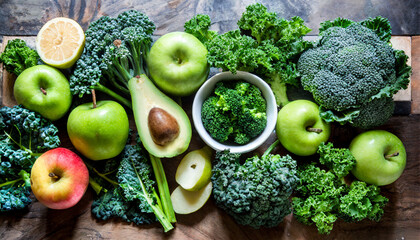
[145,96]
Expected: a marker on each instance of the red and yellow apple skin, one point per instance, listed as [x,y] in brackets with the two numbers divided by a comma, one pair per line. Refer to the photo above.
[59,178]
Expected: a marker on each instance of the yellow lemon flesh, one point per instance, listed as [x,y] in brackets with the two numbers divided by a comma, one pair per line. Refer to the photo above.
[60,42]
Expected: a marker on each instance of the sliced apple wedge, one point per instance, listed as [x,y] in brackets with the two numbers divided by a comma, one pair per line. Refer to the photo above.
[194,170]
[186,202]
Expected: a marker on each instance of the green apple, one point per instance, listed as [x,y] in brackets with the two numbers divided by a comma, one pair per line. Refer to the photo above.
[300,129]
[98,132]
[186,202]
[177,63]
[194,170]
[380,157]
[45,90]
[59,178]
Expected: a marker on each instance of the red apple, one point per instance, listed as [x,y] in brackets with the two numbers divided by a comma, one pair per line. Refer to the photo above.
[59,178]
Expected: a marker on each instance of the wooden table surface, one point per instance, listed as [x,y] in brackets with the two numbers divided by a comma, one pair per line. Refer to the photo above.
[402,214]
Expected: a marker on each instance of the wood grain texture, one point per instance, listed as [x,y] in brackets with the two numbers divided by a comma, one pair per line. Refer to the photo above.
[415,77]
[27,17]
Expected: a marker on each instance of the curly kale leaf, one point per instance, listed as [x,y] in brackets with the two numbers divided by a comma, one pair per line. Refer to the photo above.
[255,193]
[264,44]
[339,160]
[322,197]
[112,204]
[17,56]
[126,189]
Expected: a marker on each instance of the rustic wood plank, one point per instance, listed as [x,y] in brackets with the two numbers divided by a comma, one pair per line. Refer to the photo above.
[403,43]
[415,77]
[27,17]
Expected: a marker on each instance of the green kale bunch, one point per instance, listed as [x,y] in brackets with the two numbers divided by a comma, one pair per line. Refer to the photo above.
[353,72]
[264,44]
[126,189]
[322,196]
[17,56]
[236,111]
[24,135]
[255,192]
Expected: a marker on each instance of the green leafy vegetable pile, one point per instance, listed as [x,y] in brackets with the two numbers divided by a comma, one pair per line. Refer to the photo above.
[264,44]
[256,192]
[126,189]
[17,56]
[323,197]
[353,72]
[24,135]
[114,53]
[236,110]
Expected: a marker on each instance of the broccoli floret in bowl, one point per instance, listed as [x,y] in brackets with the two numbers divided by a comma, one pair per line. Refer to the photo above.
[234,111]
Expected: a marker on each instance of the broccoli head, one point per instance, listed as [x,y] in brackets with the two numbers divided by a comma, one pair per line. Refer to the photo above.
[236,111]
[351,65]
[255,193]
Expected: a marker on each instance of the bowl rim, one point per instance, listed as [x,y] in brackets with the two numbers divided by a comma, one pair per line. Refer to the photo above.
[207,88]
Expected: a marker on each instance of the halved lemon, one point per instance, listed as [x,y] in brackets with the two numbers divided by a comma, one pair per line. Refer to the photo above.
[60,42]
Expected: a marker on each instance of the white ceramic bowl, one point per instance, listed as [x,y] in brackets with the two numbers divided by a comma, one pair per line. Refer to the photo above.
[206,90]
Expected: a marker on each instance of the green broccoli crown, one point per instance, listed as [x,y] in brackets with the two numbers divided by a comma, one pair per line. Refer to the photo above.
[17,56]
[113,52]
[236,110]
[255,193]
[215,122]
[374,113]
[349,66]
[352,64]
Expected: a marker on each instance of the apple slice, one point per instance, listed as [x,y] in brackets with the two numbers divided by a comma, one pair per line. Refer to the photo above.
[186,202]
[194,170]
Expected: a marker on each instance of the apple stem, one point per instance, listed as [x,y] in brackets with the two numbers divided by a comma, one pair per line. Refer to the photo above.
[391,155]
[52,175]
[94,98]
[43,91]
[317,130]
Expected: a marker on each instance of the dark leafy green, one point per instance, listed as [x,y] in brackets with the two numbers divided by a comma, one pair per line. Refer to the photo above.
[24,135]
[264,44]
[17,56]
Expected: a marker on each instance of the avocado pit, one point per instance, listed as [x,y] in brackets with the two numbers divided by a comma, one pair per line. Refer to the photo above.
[163,126]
